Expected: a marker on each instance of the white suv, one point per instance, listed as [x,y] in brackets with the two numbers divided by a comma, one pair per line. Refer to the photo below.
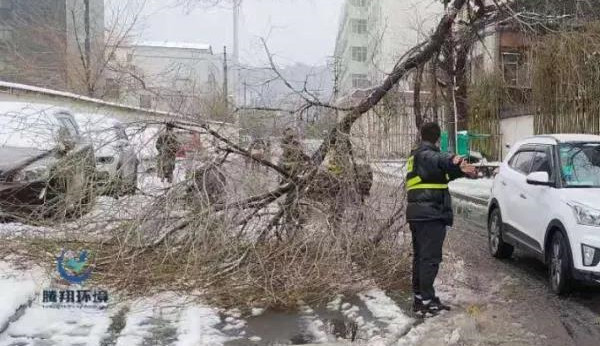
[546,200]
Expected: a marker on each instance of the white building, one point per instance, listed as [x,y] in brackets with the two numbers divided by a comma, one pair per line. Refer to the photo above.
[372,36]
[170,76]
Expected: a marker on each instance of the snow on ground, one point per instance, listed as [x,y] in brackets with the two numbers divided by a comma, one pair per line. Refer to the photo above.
[18,230]
[386,310]
[18,289]
[198,326]
[44,326]
[313,324]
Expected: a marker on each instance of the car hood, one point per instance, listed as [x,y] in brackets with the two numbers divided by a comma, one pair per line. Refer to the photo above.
[587,196]
[12,157]
[106,151]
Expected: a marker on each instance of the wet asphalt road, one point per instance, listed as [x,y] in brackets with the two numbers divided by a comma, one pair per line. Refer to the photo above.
[570,320]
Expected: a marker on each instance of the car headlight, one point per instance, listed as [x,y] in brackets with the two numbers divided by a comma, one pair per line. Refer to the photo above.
[30,174]
[585,215]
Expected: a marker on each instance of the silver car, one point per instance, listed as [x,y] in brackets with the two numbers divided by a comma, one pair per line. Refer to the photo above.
[46,167]
[116,159]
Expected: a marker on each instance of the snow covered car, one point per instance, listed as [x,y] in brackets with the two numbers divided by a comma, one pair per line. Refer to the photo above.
[46,168]
[143,139]
[546,200]
[116,159]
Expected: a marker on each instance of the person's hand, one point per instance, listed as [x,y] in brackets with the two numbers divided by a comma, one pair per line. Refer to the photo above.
[457,160]
[468,169]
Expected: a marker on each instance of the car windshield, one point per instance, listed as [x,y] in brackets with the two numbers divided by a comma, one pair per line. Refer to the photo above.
[580,164]
[102,131]
[27,130]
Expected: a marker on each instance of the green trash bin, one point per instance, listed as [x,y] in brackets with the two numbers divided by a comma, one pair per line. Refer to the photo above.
[462,145]
[444,142]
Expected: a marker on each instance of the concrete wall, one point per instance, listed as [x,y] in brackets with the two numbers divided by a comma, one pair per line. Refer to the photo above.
[80,104]
[515,129]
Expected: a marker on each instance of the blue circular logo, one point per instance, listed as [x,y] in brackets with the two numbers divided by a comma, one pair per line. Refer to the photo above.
[72,268]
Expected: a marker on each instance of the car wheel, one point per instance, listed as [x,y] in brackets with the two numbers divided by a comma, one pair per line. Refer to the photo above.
[498,248]
[559,267]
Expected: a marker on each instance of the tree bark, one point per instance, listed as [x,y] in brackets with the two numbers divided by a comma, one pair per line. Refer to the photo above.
[417,97]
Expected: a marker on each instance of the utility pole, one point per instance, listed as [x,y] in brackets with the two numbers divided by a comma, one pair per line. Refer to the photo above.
[225,76]
[236,46]
[88,47]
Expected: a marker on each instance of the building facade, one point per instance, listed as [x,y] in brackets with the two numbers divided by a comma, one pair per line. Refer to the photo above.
[43,43]
[169,76]
[372,36]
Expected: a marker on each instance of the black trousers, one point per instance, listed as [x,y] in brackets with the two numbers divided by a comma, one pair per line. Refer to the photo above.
[427,240]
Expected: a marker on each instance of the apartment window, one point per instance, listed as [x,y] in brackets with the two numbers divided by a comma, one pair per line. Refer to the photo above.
[510,66]
[359,26]
[516,70]
[146,101]
[359,3]
[360,81]
[359,54]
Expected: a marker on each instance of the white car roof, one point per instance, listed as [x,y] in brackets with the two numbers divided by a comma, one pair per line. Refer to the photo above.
[26,108]
[29,125]
[89,120]
[561,138]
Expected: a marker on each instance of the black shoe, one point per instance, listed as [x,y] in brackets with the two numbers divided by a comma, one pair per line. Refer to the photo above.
[436,305]
[418,306]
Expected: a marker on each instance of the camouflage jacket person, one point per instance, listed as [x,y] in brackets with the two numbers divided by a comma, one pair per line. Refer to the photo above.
[167,146]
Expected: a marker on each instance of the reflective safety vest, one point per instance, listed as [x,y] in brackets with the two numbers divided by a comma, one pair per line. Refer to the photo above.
[417,179]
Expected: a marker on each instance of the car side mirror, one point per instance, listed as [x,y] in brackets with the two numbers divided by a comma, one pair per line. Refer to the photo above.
[539,178]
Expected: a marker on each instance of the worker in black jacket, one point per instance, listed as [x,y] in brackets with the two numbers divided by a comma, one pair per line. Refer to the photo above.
[429,212]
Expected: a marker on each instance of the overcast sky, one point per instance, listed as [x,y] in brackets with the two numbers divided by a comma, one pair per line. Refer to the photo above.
[296,30]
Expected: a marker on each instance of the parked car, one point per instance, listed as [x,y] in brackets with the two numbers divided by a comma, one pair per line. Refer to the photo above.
[116,159]
[546,200]
[143,139]
[46,168]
